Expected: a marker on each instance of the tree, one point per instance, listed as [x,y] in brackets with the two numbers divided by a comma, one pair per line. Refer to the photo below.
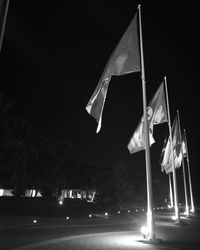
[52,168]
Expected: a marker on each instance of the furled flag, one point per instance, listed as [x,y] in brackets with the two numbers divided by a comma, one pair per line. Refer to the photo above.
[156,114]
[184,145]
[163,148]
[3,15]
[166,163]
[124,59]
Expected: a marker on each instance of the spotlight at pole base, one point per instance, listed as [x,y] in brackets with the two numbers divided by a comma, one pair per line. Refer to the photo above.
[144,231]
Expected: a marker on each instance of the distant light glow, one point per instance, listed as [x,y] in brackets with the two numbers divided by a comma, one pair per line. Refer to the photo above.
[187,211]
[192,210]
[33,192]
[129,211]
[67,218]
[90,215]
[174,217]
[106,214]
[1,192]
[34,221]
[60,202]
[118,212]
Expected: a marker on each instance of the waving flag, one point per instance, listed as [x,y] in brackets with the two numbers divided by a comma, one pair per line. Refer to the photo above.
[157,108]
[184,145]
[156,114]
[166,163]
[124,59]
[137,142]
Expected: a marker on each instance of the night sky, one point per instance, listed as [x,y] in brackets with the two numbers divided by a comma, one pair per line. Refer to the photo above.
[54,53]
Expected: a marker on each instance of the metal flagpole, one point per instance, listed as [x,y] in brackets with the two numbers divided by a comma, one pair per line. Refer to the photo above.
[177,214]
[171,192]
[150,212]
[3,15]
[189,176]
[187,213]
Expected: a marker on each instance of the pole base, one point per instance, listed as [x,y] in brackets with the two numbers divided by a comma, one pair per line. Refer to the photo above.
[152,241]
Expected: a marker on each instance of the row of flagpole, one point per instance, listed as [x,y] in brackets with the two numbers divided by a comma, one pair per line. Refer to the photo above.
[191,208]
[128,58]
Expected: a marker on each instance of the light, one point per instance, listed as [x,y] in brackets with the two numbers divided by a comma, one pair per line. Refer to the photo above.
[1,192]
[169,206]
[129,211]
[174,217]
[34,221]
[60,202]
[192,210]
[90,216]
[106,214]
[33,193]
[187,211]
[136,210]
[67,218]
[118,212]
[144,231]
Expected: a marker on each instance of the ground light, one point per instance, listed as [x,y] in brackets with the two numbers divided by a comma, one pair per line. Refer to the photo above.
[144,232]
[34,221]
[187,212]
[146,236]
[60,202]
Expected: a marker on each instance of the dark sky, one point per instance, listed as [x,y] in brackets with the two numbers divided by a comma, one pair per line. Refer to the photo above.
[53,55]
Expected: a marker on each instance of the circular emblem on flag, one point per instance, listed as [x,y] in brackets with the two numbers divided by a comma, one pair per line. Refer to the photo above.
[149,113]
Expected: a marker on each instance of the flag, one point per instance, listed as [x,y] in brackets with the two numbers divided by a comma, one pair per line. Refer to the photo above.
[163,149]
[156,110]
[124,59]
[3,15]
[156,114]
[137,142]
[166,163]
[184,145]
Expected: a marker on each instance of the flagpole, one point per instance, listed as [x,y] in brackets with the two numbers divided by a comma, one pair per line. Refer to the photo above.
[183,167]
[150,212]
[189,176]
[4,15]
[177,214]
[171,192]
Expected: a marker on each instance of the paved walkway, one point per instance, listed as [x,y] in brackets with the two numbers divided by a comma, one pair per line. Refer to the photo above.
[185,236]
